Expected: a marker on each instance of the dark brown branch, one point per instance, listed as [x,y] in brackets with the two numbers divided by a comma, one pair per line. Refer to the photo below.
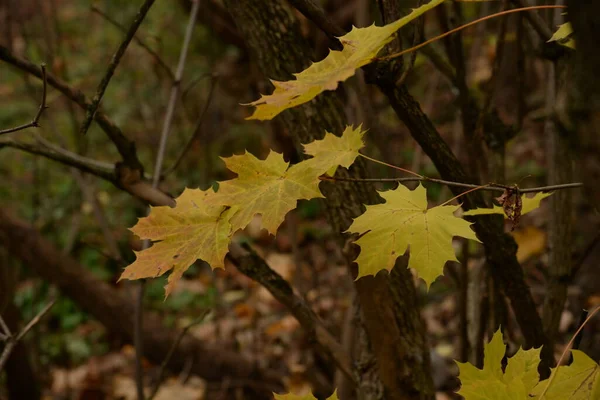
[116,58]
[253,266]
[125,147]
[315,13]
[490,187]
[537,22]
[35,122]
[139,41]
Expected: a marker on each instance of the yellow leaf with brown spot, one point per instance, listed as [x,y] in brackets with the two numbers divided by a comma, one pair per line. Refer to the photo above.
[192,230]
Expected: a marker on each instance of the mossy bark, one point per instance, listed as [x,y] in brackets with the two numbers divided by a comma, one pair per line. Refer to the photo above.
[393,358]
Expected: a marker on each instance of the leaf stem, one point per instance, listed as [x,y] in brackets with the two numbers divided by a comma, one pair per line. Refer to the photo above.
[390,165]
[567,347]
[495,187]
[463,193]
[443,35]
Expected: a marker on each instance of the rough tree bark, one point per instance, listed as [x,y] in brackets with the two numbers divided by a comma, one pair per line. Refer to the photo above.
[394,359]
[115,311]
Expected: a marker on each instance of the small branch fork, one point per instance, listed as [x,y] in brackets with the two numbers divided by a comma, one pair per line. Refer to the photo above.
[35,122]
[12,340]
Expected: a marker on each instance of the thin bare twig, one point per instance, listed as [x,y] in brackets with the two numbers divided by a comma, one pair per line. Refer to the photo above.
[65,157]
[417,35]
[35,122]
[495,187]
[124,146]
[166,129]
[139,41]
[252,265]
[11,341]
[116,58]
[199,122]
[163,365]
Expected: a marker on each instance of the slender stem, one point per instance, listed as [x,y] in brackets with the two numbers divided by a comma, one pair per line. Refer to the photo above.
[11,341]
[174,93]
[139,41]
[567,347]
[462,194]
[443,35]
[163,365]
[489,187]
[188,145]
[390,165]
[166,129]
[91,111]
[35,122]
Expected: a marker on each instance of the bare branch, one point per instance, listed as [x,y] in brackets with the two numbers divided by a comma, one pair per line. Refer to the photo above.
[11,341]
[94,167]
[116,58]
[139,41]
[199,122]
[252,265]
[166,129]
[35,122]
[125,147]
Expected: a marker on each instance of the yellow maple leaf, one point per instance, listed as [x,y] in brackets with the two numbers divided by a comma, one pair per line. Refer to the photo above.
[267,187]
[564,36]
[578,381]
[360,47]
[402,221]
[291,396]
[529,204]
[333,151]
[490,383]
[190,231]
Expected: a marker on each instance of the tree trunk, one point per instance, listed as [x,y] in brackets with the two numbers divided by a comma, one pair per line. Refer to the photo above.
[393,360]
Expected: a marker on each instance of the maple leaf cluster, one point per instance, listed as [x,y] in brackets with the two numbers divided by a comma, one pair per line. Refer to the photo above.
[520,379]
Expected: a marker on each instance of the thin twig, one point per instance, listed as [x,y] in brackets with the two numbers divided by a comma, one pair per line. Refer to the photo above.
[417,35]
[11,341]
[174,93]
[199,122]
[116,58]
[391,166]
[139,311]
[35,122]
[252,265]
[139,41]
[443,35]
[163,365]
[94,167]
[495,187]
[125,147]
[567,347]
